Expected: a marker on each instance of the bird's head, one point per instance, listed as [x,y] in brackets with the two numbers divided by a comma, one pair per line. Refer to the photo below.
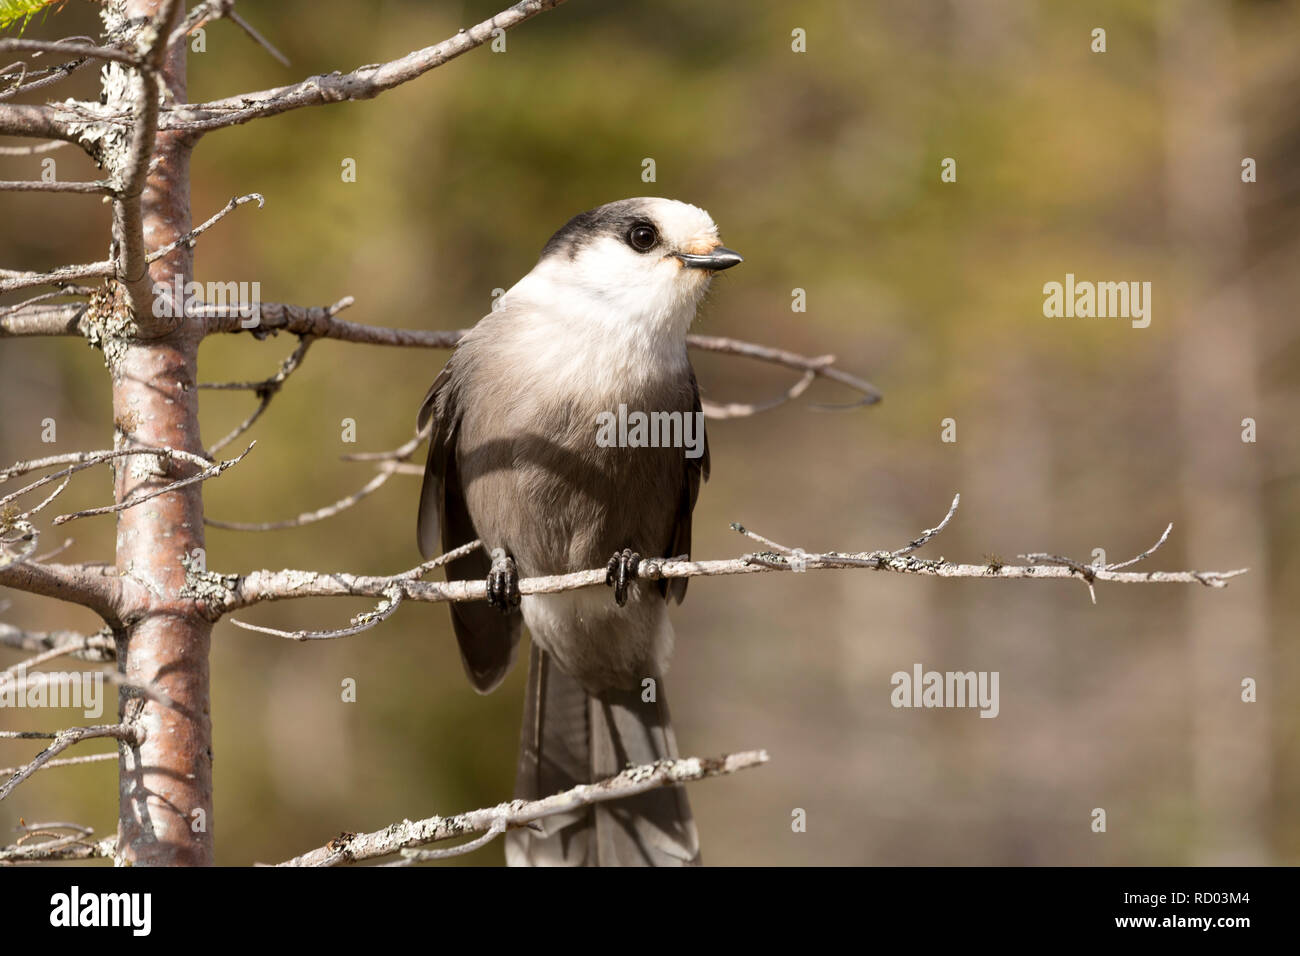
[642,260]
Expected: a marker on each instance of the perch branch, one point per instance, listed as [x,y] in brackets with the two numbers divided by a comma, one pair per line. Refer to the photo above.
[392,598]
[223,593]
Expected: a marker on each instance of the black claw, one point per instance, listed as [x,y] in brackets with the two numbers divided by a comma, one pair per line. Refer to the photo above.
[503,582]
[621,571]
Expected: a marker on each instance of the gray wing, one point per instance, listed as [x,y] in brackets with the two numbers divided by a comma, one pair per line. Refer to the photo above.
[487,638]
[696,471]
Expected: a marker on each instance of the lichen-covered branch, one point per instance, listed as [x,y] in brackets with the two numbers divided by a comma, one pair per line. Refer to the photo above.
[410,834]
[223,593]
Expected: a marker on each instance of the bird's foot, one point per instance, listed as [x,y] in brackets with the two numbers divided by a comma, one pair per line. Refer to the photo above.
[503,582]
[620,571]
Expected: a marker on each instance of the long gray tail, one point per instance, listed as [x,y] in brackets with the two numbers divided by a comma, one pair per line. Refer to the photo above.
[570,738]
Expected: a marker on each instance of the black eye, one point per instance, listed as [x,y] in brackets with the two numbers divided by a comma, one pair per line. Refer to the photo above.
[642,237]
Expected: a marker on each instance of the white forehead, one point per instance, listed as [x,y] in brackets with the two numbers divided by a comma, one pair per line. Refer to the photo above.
[679,222]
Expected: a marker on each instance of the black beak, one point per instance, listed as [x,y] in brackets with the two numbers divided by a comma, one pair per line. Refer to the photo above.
[717,260]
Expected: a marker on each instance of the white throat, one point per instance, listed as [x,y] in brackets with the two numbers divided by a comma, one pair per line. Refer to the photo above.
[596,339]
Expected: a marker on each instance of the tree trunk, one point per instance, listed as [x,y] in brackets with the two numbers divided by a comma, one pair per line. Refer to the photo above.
[166,777]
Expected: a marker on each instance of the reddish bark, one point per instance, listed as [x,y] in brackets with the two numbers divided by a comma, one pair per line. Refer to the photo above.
[166,778]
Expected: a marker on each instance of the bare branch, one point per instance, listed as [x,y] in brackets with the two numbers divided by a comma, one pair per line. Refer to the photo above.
[95,586]
[745,409]
[36,148]
[97,647]
[37,122]
[362,83]
[1145,554]
[30,82]
[265,390]
[62,741]
[309,517]
[392,599]
[189,237]
[256,37]
[210,10]
[17,670]
[64,762]
[209,472]
[822,366]
[353,847]
[11,281]
[58,846]
[81,460]
[929,533]
[27,318]
[224,593]
[401,453]
[66,48]
[321,323]
[38,186]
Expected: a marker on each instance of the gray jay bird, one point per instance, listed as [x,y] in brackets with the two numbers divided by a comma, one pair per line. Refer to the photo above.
[600,322]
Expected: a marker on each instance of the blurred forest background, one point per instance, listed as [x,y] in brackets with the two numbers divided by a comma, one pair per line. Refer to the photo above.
[823,169]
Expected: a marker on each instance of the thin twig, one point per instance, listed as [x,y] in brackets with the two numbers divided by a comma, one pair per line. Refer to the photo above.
[322,323]
[64,762]
[61,742]
[189,237]
[1145,554]
[40,186]
[97,647]
[362,83]
[19,45]
[309,517]
[392,600]
[210,472]
[266,390]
